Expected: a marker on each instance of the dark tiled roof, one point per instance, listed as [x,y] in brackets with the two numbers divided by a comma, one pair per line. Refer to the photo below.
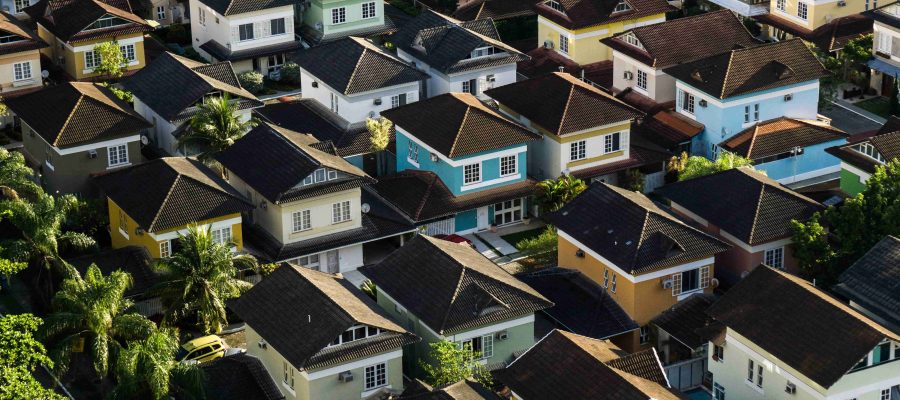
[686,318]
[172,85]
[451,287]
[630,230]
[445,44]
[581,305]
[799,324]
[76,113]
[568,366]
[222,53]
[829,37]
[722,32]
[353,65]
[752,69]
[586,13]
[886,141]
[779,136]
[458,125]
[67,19]
[544,61]
[493,9]
[134,260]
[565,105]
[299,311]
[311,117]
[232,7]
[669,129]
[274,161]
[759,211]
[10,25]
[874,281]
[465,389]
[884,15]
[238,377]
[171,192]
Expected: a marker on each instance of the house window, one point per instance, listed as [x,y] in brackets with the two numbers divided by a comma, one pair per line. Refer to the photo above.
[886,394]
[780,5]
[165,249]
[759,375]
[201,15]
[275,62]
[368,10]
[376,376]
[869,150]
[481,345]
[320,175]
[123,224]
[751,367]
[221,235]
[631,39]
[641,80]
[356,332]
[622,7]
[718,391]
[340,212]
[556,6]
[277,26]
[334,103]
[128,53]
[398,100]
[338,15]
[690,280]
[578,150]
[645,334]
[606,278]
[310,261]
[106,22]
[22,71]
[483,52]
[91,59]
[161,12]
[302,220]
[471,173]
[774,258]
[118,155]
[470,86]
[508,212]
[20,5]
[751,113]
[508,165]
[613,287]
[563,43]
[718,353]
[611,142]
[288,374]
[802,10]
[412,152]
[687,102]
[245,32]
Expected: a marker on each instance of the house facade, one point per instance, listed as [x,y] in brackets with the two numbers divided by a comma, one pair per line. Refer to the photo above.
[17,7]
[885,64]
[864,153]
[867,283]
[166,12]
[809,19]
[20,57]
[327,20]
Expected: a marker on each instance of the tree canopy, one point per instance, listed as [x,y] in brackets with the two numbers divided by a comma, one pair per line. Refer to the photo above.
[148,369]
[112,61]
[553,194]
[20,355]
[453,363]
[214,128]
[689,167]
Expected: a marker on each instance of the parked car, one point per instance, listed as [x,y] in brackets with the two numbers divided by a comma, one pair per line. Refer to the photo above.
[202,349]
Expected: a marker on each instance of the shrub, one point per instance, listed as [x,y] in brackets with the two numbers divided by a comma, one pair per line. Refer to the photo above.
[290,73]
[178,34]
[252,81]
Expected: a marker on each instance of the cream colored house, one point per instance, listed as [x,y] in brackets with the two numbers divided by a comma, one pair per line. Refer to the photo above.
[20,57]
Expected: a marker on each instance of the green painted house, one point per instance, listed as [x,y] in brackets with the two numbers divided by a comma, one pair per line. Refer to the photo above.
[444,290]
[327,20]
[863,153]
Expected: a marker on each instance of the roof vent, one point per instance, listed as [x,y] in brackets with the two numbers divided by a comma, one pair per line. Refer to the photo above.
[365,208]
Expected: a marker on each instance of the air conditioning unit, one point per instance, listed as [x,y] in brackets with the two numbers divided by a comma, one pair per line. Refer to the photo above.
[842,3]
[790,388]
[579,253]
[628,75]
[139,231]
[345,376]
[434,157]
[92,154]
[702,103]
[668,283]
[502,335]
[315,84]
[263,205]
[262,344]
[377,101]
[789,97]
[491,78]
[548,44]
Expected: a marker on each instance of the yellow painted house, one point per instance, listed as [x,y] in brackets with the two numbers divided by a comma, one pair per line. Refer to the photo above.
[74,27]
[644,257]
[573,28]
[151,204]
[829,24]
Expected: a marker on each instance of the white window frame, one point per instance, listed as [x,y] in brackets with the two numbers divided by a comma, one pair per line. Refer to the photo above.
[578,150]
[641,81]
[564,43]
[371,12]
[781,5]
[301,221]
[340,212]
[248,35]
[612,142]
[613,285]
[555,5]
[165,249]
[505,212]
[201,15]
[117,155]
[471,174]
[221,235]
[21,5]
[703,279]
[91,59]
[509,165]
[644,334]
[687,102]
[288,370]
[160,12]
[774,257]
[274,22]
[128,53]
[22,71]
[631,39]
[311,261]
[606,278]
[335,105]
[338,15]
[868,150]
[718,391]
[622,6]
[885,394]
[412,152]
[378,374]
[487,345]
[802,10]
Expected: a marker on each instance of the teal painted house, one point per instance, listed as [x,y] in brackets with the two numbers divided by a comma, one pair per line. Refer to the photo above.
[862,154]
[327,20]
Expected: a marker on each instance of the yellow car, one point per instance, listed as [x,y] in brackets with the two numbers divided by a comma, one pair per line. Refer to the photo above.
[202,349]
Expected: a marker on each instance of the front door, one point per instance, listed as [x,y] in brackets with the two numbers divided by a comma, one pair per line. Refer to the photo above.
[508,212]
[482,218]
[333,262]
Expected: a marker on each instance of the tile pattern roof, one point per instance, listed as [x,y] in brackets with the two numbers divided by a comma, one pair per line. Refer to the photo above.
[829,37]
[451,287]
[458,125]
[232,7]
[874,281]
[238,377]
[669,129]
[172,85]
[134,260]
[171,192]
[76,113]
[223,53]
[544,61]
[445,44]
[779,136]
[759,211]
[311,117]
[67,19]
[781,313]
[581,305]
[568,366]
[315,37]
[565,105]
[630,230]
[886,141]
[466,389]
[587,13]
[493,9]
[751,69]
[299,311]
[722,32]
[685,319]
[354,65]
[11,25]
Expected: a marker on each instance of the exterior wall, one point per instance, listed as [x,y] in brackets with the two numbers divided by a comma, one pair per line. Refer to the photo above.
[318,16]
[819,12]
[161,133]
[660,86]
[10,7]
[70,56]
[853,180]
[440,83]
[358,107]
[8,83]
[584,44]
[174,12]
[813,162]
[224,30]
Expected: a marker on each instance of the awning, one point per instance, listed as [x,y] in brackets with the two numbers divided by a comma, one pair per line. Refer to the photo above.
[884,66]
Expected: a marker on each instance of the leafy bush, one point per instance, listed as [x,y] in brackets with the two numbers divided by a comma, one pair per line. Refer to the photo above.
[290,73]
[268,269]
[541,249]
[252,81]
[178,34]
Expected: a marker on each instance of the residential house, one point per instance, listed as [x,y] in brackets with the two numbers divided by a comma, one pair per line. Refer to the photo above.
[791,151]
[641,53]
[310,207]
[319,337]
[74,27]
[871,283]
[253,35]
[461,166]
[357,79]
[466,389]
[137,262]
[20,56]
[827,24]
[763,82]
[885,65]
[458,56]
[327,20]
[169,91]
[864,153]
[679,334]
[646,258]
[165,12]
[237,377]
[447,291]
[564,365]
[756,220]
[76,129]
[152,204]
[497,10]
[16,7]
[742,8]
[785,337]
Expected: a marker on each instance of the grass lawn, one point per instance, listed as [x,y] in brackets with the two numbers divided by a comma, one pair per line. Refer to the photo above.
[515,238]
[876,105]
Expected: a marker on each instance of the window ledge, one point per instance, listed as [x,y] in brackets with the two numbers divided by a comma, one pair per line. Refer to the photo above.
[413,162]
[753,386]
[118,165]
[125,234]
[369,392]
[289,389]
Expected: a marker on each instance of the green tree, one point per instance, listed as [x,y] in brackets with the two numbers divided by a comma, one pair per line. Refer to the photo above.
[689,167]
[17,176]
[214,128]
[91,312]
[379,138]
[122,94]
[147,369]
[20,355]
[542,249]
[452,364]
[553,194]
[112,62]
[200,277]
[841,65]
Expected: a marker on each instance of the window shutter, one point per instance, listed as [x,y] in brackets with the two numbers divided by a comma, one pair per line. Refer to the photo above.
[257,30]
[412,97]
[676,284]
[678,99]
[704,277]
[289,25]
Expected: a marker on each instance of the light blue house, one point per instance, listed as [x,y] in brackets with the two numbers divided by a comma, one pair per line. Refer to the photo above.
[733,91]
[462,167]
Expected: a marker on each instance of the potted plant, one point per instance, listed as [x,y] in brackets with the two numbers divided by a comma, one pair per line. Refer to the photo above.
[526,219]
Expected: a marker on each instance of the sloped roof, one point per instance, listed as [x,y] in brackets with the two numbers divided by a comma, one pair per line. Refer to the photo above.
[669,128]
[299,311]
[685,320]
[630,230]
[586,13]
[171,192]
[494,9]
[232,7]
[780,135]
[466,389]
[354,65]
[458,125]
[751,69]
[451,287]
[886,141]
[832,36]
[799,324]
[134,260]
[312,117]
[874,281]
[759,209]
[565,104]
[67,19]
[75,113]
[238,377]
[11,25]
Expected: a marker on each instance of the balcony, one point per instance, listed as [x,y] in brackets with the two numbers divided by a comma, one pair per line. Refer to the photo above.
[746,8]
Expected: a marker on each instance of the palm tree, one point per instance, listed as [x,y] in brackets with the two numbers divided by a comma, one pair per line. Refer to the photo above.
[553,194]
[16,177]
[201,276]
[147,369]
[215,127]
[91,311]
[379,139]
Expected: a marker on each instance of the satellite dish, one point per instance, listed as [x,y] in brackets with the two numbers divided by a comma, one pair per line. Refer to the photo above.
[365,208]
[145,140]
[45,74]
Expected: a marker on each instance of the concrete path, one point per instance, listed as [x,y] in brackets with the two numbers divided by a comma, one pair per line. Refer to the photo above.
[497,242]
[355,277]
[481,247]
